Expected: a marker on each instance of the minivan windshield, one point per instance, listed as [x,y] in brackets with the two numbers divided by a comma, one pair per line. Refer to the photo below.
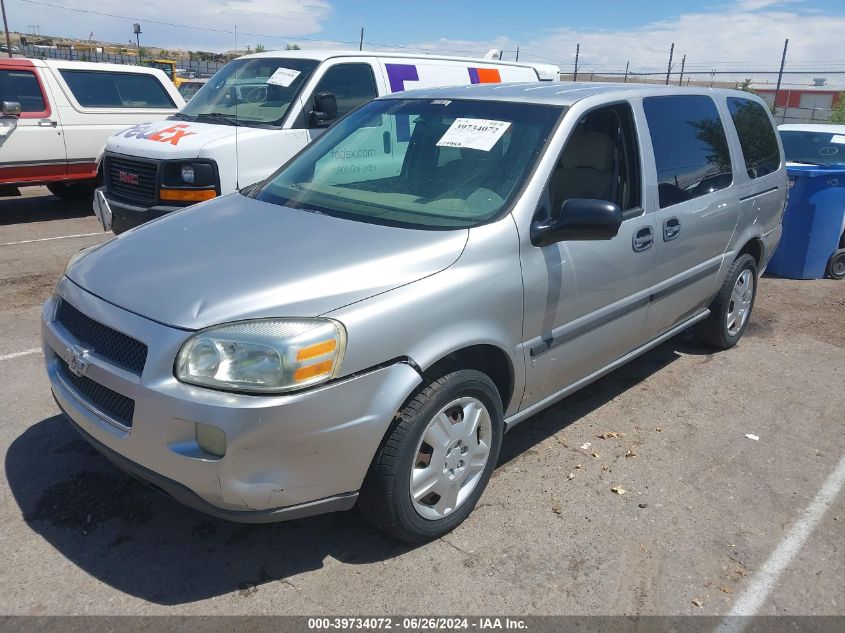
[814,148]
[419,163]
[256,91]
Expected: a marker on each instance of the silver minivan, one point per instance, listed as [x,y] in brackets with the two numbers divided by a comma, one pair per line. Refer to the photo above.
[340,334]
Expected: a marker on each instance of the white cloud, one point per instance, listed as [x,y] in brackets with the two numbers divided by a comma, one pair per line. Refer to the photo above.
[271,17]
[722,39]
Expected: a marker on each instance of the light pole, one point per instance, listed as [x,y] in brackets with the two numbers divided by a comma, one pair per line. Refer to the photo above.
[136,28]
[6,27]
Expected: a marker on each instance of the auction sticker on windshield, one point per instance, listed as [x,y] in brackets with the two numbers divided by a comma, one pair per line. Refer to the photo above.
[283,77]
[479,134]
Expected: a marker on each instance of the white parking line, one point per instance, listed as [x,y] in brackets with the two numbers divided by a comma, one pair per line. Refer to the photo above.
[26,352]
[763,583]
[47,239]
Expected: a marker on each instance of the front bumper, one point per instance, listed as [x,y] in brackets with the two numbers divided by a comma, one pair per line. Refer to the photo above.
[126,216]
[287,456]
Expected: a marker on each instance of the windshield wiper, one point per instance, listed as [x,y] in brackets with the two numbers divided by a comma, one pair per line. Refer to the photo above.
[217,116]
[804,162]
[181,117]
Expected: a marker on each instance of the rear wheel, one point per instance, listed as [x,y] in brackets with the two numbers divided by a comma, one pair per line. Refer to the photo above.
[436,459]
[73,190]
[836,265]
[731,309]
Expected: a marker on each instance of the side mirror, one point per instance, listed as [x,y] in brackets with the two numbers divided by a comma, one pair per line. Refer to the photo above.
[10,108]
[579,219]
[325,110]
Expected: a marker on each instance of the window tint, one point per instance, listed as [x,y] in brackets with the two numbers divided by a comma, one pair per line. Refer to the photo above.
[690,147]
[22,86]
[95,89]
[352,84]
[756,137]
[600,161]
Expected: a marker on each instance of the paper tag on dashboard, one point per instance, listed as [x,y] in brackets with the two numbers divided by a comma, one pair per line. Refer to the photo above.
[283,77]
[479,134]
[839,139]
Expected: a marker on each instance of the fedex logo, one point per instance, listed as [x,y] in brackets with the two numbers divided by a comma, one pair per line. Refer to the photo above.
[172,134]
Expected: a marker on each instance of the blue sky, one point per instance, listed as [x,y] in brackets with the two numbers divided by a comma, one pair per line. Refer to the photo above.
[611,32]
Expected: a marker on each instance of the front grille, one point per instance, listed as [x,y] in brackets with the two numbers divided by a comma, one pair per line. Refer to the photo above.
[132,180]
[112,404]
[116,347]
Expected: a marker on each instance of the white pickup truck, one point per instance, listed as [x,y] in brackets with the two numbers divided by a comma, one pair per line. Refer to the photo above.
[258,112]
[56,116]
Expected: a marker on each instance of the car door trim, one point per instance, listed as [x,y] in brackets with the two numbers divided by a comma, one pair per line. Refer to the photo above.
[759,193]
[519,416]
[573,331]
[689,278]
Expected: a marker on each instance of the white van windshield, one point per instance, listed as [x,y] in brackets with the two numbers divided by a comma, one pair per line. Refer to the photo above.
[420,163]
[256,91]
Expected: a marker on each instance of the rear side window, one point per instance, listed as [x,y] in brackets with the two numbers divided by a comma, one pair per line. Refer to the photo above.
[756,136]
[22,86]
[96,89]
[690,147]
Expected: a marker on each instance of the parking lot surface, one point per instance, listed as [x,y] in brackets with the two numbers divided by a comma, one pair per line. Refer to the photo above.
[709,518]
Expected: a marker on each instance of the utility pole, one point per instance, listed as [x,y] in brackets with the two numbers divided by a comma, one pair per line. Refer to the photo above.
[577,53]
[137,29]
[361,41]
[6,27]
[780,74]
[628,63]
[236,39]
[683,63]
[517,53]
[669,69]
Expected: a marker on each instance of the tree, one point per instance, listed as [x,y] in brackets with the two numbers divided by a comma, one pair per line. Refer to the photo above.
[259,48]
[292,47]
[837,114]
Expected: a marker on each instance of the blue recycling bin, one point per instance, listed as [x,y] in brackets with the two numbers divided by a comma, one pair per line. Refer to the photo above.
[813,222]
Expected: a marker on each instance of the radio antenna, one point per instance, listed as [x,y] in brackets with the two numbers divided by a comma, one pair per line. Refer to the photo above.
[237,123]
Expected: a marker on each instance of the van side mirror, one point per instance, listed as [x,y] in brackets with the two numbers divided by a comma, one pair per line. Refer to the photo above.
[10,108]
[579,219]
[325,110]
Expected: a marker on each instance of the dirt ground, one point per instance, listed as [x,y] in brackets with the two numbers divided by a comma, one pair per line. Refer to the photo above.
[704,511]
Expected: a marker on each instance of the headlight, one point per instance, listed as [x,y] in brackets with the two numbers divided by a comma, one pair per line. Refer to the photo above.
[263,356]
[195,173]
[188,174]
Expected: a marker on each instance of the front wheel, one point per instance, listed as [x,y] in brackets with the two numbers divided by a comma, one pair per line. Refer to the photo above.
[731,309]
[73,190]
[436,459]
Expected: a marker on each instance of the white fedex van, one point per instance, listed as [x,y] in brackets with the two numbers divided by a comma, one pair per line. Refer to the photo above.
[260,110]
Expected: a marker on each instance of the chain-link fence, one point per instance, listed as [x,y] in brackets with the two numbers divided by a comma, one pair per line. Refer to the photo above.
[199,67]
[804,95]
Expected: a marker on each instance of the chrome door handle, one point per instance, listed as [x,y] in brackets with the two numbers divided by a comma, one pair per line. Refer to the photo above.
[671,229]
[47,123]
[643,239]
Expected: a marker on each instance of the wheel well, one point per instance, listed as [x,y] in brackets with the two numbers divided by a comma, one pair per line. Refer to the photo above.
[488,359]
[753,247]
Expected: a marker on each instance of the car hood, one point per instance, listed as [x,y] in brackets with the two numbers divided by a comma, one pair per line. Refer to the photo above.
[238,258]
[174,138]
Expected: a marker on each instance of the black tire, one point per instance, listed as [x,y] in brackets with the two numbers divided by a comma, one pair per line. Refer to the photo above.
[385,498]
[713,331]
[836,265]
[72,190]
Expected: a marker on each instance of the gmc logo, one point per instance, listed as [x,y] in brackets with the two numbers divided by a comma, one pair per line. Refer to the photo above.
[126,177]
